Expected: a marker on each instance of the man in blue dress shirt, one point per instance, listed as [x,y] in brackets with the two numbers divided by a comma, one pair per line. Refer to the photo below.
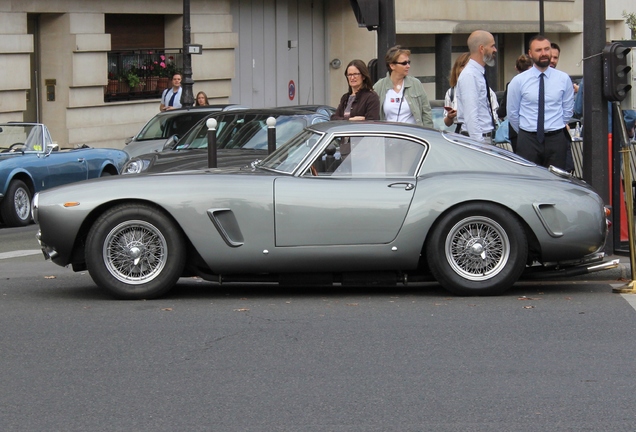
[542,142]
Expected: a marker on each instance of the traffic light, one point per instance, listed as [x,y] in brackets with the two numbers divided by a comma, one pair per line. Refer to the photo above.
[615,72]
[367,13]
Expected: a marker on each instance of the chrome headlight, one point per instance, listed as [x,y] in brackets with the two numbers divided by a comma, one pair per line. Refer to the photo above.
[135,166]
[34,207]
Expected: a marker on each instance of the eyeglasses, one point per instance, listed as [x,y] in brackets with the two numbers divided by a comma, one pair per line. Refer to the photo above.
[404,63]
[353,75]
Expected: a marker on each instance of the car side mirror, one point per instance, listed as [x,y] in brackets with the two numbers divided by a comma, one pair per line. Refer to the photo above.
[128,140]
[50,148]
[171,142]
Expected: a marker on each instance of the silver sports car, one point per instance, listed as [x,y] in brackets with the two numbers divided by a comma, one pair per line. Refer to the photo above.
[343,203]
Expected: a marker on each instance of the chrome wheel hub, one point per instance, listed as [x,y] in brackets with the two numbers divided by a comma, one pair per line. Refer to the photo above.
[135,252]
[22,204]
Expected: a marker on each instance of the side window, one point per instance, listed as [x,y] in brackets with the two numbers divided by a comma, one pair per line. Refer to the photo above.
[369,157]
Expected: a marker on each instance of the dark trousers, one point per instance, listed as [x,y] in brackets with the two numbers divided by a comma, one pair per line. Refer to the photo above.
[553,151]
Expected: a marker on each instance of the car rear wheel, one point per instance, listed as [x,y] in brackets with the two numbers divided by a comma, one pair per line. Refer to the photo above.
[135,252]
[15,208]
[477,249]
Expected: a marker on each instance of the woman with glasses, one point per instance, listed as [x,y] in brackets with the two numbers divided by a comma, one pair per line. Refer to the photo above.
[403,97]
[360,102]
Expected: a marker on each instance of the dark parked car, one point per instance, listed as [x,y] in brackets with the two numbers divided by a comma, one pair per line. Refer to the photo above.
[241,139]
[341,202]
[167,124]
[30,162]
[327,110]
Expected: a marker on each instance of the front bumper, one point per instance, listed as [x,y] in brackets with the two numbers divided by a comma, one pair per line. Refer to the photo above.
[49,252]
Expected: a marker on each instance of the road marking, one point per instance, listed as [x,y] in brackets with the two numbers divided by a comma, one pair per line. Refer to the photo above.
[19,253]
[631,299]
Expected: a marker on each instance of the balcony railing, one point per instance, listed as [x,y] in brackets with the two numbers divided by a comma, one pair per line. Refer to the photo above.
[141,74]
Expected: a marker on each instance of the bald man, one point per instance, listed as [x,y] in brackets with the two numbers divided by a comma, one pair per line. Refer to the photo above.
[474,107]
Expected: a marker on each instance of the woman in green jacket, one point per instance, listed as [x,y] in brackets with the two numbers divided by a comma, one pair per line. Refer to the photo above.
[402,97]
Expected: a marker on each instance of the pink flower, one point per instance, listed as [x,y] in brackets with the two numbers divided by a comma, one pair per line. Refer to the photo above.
[162,64]
[163,57]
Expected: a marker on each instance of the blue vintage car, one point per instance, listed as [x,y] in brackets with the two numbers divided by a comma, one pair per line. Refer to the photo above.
[31,162]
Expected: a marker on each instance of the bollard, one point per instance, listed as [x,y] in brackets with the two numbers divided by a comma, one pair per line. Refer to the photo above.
[271,135]
[211,124]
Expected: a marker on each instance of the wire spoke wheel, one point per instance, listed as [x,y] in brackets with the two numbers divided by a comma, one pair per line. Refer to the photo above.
[477,248]
[15,208]
[135,252]
[22,203]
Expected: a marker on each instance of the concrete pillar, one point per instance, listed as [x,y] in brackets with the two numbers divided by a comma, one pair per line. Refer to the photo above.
[443,64]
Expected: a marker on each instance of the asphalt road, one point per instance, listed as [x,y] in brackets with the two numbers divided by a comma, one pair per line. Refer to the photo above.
[549,356]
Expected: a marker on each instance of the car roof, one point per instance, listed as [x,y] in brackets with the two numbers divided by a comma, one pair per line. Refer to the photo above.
[368,126]
[206,108]
[265,111]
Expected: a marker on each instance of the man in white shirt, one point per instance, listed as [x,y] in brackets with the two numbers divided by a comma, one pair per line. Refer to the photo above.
[474,109]
[171,97]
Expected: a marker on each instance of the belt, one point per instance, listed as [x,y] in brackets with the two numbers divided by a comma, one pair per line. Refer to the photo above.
[485,135]
[554,132]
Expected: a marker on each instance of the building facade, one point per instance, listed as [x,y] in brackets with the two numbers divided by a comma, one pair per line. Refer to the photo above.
[59,58]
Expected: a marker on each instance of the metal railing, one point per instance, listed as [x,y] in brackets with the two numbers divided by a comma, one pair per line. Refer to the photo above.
[141,73]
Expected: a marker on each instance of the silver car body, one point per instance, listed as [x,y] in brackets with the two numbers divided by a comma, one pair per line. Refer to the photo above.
[289,218]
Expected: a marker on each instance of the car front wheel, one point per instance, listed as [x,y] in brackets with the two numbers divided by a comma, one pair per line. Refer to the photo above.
[15,208]
[477,249]
[135,252]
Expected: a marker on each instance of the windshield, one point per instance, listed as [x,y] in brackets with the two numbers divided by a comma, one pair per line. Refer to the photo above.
[243,132]
[24,137]
[164,126]
[292,153]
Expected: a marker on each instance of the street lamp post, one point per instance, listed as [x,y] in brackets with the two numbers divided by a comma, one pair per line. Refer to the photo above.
[187,97]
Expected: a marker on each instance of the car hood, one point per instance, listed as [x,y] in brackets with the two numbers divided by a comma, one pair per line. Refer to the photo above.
[185,160]
[138,148]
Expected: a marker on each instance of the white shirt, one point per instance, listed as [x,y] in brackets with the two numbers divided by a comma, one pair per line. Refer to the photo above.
[453,103]
[167,95]
[396,108]
[473,110]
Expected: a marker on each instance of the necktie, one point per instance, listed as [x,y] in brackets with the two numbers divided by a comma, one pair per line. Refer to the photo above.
[492,119]
[171,103]
[541,116]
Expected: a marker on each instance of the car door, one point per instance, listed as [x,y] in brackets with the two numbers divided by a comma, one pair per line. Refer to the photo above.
[359,195]
[65,167]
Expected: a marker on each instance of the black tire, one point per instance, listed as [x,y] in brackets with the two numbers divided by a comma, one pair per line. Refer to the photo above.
[105,174]
[134,251]
[15,207]
[477,249]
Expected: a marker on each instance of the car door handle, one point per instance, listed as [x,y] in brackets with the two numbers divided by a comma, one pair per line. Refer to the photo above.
[81,160]
[407,186]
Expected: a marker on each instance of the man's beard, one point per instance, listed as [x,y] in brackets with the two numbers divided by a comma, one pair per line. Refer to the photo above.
[489,59]
[543,62]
